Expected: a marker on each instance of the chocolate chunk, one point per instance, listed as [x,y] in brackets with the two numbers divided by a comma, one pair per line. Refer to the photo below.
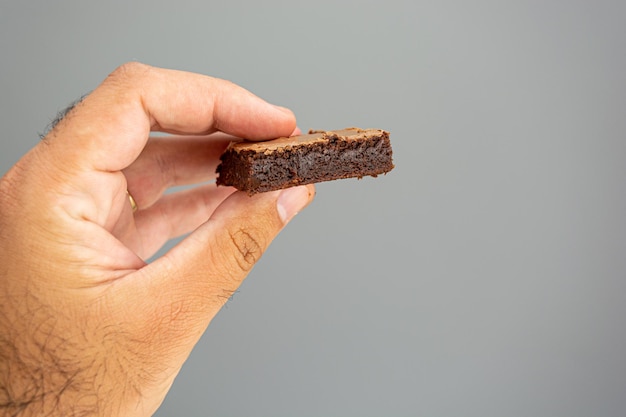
[319,156]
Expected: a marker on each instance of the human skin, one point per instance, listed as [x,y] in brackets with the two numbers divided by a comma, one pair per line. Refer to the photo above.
[87,327]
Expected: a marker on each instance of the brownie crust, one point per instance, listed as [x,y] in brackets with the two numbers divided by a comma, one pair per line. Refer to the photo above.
[318,156]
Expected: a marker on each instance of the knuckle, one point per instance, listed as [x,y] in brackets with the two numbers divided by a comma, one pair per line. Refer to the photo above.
[247,249]
[130,69]
[239,249]
[127,74]
[167,169]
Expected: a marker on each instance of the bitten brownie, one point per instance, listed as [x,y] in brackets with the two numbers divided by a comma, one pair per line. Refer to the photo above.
[319,156]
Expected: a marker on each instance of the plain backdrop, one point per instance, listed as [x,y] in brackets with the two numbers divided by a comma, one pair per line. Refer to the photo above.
[484,276]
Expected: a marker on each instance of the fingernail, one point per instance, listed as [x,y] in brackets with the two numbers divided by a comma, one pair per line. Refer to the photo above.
[291,201]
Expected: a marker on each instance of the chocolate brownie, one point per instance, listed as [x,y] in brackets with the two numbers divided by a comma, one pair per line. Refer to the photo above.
[319,156]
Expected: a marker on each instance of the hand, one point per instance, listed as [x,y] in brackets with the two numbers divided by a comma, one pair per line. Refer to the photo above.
[86,326]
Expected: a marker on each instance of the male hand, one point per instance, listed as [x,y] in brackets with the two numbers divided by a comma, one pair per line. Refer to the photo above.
[86,326]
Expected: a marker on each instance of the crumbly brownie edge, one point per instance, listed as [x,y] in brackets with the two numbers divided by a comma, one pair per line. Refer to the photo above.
[305,164]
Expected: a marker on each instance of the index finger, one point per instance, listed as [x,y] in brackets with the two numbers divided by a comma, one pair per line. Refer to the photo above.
[110,127]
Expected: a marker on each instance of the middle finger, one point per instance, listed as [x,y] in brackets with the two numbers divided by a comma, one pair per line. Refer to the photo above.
[171,161]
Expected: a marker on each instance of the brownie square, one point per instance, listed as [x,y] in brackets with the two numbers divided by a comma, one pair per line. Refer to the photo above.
[318,156]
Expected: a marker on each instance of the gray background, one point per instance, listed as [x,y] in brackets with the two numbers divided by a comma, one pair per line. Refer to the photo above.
[484,276]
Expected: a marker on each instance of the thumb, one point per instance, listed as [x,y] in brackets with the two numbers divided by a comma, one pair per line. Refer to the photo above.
[188,285]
